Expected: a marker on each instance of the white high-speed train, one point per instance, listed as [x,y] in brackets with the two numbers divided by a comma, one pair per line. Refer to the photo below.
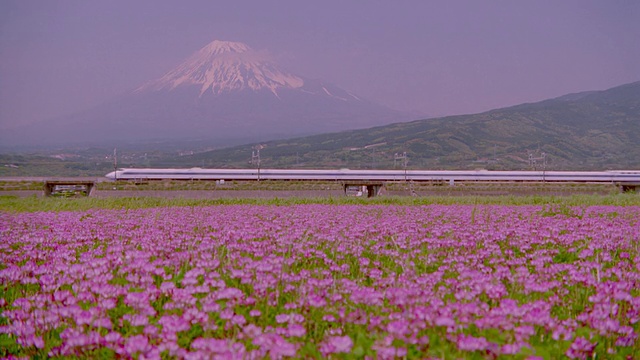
[614,176]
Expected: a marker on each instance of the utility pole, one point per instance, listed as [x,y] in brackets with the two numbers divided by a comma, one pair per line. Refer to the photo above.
[544,166]
[405,160]
[255,157]
[115,164]
[533,162]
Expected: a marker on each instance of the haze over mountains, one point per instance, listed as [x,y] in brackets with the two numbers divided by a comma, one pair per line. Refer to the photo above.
[225,93]
[592,130]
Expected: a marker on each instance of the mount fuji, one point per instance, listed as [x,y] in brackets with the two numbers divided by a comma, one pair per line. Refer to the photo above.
[226,93]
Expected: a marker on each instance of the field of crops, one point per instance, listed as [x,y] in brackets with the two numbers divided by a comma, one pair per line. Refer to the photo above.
[322,280]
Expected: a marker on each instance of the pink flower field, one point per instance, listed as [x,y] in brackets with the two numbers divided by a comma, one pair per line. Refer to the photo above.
[317,281]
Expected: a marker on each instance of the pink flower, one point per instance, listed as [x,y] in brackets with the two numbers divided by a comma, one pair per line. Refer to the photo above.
[510,349]
[388,352]
[252,330]
[150,330]
[282,318]
[238,320]
[275,345]
[230,293]
[581,348]
[470,343]
[113,337]
[329,318]
[167,286]
[445,321]
[296,330]
[226,314]
[137,344]
[38,342]
[316,301]
[84,318]
[628,340]
[210,306]
[296,318]
[283,349]
[398,327]
[336,344]
[139,320]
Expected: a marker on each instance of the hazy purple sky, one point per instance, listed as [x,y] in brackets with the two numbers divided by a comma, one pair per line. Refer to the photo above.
[435,57]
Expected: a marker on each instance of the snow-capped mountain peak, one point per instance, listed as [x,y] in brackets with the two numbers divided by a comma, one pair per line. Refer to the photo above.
[225,92]
[225,66]
[219,47]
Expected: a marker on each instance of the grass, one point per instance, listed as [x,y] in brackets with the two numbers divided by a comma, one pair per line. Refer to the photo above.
[33,204]
[21,185]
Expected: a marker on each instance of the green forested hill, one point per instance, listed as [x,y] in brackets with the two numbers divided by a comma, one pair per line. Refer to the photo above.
[591,130]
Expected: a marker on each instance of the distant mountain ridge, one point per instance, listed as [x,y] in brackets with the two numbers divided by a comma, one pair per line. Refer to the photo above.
[225,92]
[588,130]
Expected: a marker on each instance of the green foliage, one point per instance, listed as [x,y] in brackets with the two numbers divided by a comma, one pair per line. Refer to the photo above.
[553,204]
[8,346]
[117,313]
[102,353]
[562,209]
[186,337]
[10,294]
[565,257]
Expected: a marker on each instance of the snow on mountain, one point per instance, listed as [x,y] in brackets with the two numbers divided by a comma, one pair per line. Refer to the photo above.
[224,66]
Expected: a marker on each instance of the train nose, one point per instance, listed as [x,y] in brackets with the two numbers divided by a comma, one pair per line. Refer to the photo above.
[111,175]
